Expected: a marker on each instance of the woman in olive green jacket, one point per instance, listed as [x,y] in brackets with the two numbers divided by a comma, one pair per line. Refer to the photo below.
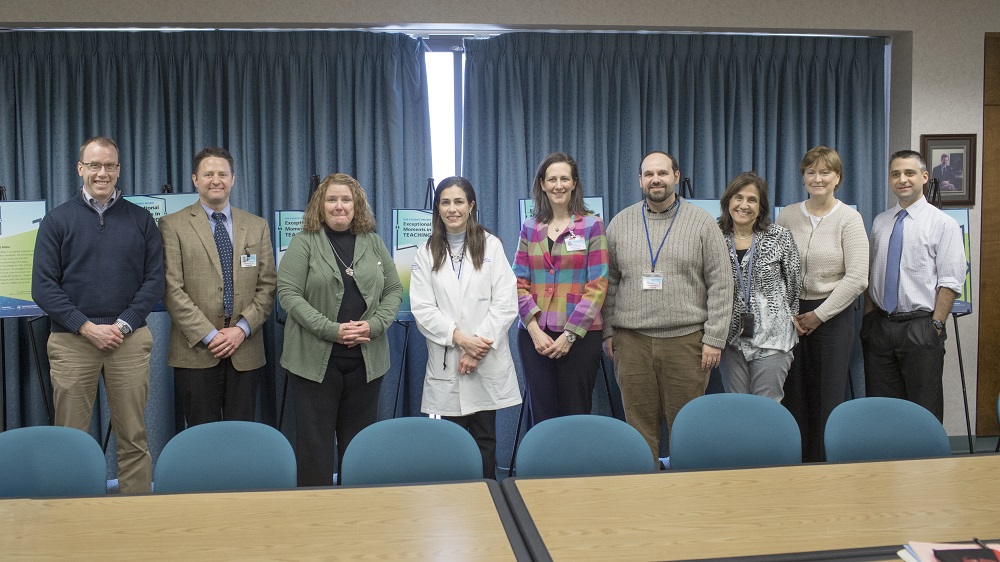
[340,288]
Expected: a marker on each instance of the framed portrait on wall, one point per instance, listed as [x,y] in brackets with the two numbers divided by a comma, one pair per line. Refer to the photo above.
[951,159]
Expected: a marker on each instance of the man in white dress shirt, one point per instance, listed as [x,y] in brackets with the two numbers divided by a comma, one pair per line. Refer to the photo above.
[917,269]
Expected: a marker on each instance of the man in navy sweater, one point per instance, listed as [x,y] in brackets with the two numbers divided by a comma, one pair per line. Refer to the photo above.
[98,272]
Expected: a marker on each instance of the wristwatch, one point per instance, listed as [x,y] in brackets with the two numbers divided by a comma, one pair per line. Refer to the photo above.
[570,336]
[938,324]
[123,327]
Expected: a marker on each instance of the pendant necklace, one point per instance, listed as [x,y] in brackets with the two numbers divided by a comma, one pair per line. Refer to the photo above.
[559,229]
[349,269]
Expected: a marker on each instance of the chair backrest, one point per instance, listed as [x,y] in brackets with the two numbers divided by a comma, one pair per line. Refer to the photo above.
[226,455]
[734,430]
[582,444]
[868,429]
[47,460]
[411,450]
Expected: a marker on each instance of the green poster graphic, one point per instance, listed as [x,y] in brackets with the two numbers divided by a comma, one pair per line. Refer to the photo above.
[410,230]
[18,229]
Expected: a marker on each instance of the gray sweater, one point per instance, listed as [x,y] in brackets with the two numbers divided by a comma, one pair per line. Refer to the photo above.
[697,278]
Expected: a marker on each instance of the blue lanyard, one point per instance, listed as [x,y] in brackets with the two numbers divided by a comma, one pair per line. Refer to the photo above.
[744,284]
[649,243]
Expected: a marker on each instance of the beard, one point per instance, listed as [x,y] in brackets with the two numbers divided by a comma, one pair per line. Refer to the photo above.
[658,197]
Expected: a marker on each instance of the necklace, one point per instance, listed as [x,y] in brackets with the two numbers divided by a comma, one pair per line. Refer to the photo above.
[742,237]
[456,259]
[349,269]
[558,229]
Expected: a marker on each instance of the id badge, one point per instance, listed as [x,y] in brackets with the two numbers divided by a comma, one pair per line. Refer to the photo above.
[248,260]
[746,325]
[575,243]
[652,281]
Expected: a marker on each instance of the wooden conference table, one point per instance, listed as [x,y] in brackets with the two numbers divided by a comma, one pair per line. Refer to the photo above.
[760,512]
[460,521]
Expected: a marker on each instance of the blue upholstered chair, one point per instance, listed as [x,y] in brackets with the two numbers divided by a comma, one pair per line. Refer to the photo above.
[584,444]
[869,429]
[411,450]
[734,430]
[51,461]
[226,455]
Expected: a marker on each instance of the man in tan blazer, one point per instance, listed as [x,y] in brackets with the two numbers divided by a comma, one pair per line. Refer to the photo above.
[217,306]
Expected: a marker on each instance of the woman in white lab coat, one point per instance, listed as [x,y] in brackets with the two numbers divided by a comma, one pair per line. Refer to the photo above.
[463,294]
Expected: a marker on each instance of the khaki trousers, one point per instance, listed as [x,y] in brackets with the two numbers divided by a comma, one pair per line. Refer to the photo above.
[76,367]
[658,376]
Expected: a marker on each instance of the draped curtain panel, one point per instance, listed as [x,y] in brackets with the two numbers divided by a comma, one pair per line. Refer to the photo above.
[721,104]
[286,104]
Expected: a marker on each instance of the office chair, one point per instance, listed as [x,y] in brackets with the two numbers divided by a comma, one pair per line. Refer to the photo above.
[734,430]
[45,461]
[876,428]
[226,455]
[411,450]
[582,444]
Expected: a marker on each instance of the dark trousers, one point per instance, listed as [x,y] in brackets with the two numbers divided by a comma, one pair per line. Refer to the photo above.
[817,379]
[483,427]
[217,393]
[904,360]
[336,409]
[564,386]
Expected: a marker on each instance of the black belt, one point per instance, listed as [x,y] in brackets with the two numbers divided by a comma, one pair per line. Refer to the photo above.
[225,323]
[903,316]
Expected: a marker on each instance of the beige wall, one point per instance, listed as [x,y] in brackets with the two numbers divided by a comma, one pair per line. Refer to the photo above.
[937,61]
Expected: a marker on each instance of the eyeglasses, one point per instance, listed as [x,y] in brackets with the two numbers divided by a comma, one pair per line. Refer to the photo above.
[97,166]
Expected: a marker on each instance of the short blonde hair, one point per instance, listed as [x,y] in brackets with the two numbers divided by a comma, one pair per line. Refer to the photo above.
[364,219]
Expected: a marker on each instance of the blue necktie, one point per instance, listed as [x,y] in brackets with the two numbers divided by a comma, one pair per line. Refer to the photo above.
[891,294]
[225,247]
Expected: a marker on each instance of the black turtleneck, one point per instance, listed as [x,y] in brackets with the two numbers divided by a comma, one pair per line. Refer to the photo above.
[352,305]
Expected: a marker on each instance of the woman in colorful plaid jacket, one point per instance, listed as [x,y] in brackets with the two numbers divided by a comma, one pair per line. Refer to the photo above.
[561,266]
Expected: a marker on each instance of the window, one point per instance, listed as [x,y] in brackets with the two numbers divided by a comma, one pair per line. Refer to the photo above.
[445,71]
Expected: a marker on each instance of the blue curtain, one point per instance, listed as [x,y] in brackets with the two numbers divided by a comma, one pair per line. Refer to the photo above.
[721,104]
[286,104]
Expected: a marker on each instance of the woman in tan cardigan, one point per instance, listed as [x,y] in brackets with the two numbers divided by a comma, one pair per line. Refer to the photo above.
[833,246]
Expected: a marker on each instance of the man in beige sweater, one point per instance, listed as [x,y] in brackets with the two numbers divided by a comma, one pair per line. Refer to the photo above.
[670,298]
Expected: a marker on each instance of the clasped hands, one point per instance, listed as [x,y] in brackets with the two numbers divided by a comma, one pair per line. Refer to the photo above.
[806,323]
[545,345]
[354,333]
[105,337]
[474,348]
[227,341]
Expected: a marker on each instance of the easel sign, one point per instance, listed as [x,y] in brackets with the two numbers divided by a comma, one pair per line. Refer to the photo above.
[410,230]
[710,206]
[19,222]
[593,204]
[286,225]
[963,304]
[160,204]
